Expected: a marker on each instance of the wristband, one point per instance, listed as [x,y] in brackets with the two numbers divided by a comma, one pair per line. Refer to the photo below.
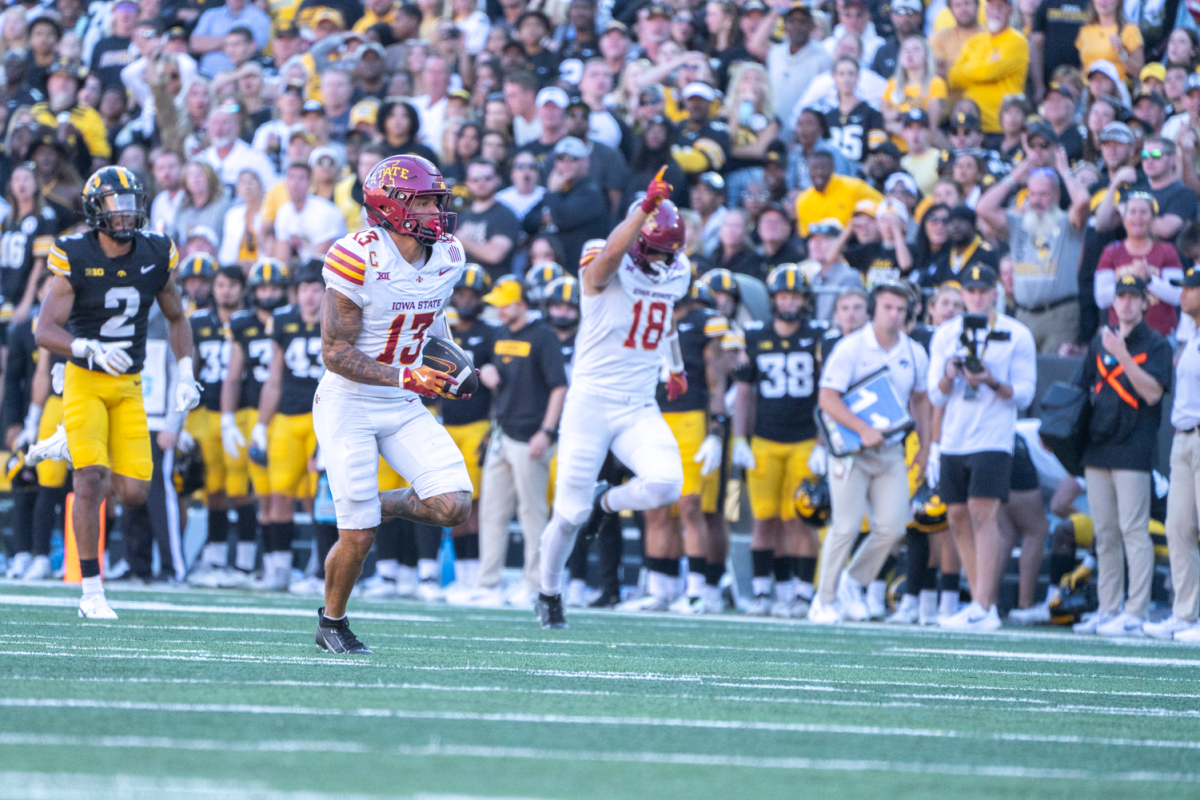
[186,368]
[552,434]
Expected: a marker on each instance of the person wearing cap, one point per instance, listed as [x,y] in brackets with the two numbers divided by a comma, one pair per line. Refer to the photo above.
[488,230]
[921,161]
[793,63]
[1126,371]
[207,37]
[982,377]
[1110,37]
[992,65]
[228,154]
[883,161]
[826,240]
[1059,110]
[966,249]
[1183,500]
[607,166]
[306,225]
[1150,109]
[85,137]
[652,28]
[576,205]
[1175,202]
[708,201]
[527,378]
[948,42]
[830,195]
[551,106]
[702,143]
[879,251]
[616,46]
[907,17]
[1140,253]
[1046,244]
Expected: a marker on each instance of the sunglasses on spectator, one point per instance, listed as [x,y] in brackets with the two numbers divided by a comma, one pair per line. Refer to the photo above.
[524,166]
[1153,154]
[940,219]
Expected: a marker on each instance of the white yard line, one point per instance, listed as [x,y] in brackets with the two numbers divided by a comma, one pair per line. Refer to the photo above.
[149,605]
[1059,658]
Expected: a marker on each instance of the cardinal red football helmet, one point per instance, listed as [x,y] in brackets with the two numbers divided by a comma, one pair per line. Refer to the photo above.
[392,187]
[662,232]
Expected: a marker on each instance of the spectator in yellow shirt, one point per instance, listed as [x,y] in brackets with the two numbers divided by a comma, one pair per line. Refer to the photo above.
[1108,37]
[830,195]
[992,64]
[948,42]
[375,11]
[915,85]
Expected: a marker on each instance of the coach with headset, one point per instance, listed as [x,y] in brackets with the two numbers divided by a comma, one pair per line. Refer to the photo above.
[983,369]
[876,474]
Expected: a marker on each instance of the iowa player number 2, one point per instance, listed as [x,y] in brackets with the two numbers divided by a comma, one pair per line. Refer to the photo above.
[119,325]
[790,374]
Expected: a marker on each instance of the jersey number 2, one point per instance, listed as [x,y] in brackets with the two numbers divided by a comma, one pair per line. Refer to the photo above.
[420,322]
[119,325]
[656,318]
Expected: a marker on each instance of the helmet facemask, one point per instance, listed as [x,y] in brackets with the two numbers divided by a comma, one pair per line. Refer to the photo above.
[641,256]
[111,206]
[430,229]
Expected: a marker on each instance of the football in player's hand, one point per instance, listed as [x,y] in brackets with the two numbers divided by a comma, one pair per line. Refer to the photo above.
[445,356]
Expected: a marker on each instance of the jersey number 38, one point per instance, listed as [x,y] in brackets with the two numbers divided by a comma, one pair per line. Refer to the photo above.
[789,375]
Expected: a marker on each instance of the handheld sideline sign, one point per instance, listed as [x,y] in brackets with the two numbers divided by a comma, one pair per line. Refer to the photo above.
[875,401]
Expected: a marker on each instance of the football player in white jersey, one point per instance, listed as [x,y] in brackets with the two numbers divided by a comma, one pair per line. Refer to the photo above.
[390,286]
[630,287]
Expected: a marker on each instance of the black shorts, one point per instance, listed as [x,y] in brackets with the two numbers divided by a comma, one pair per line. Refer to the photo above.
[984,474]
[1024,473]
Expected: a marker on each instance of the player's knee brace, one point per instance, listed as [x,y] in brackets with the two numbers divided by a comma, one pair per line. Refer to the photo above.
[663,493]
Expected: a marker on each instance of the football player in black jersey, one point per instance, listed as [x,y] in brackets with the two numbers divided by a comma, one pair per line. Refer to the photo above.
[284,430]
[250,350]
[212,337]
[702,143]
[697,420]
[776,397]
[196,273]
[25,240]
[966,249]
[468,421]
[852,123]
[96,313]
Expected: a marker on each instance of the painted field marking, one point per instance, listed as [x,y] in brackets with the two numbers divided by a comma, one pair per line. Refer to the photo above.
[148,605]
[1061,658]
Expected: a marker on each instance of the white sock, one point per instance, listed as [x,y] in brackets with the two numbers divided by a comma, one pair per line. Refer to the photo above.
[1052,594]
[471,570]
[245,556]
[877,592]
[659,584]
[577,586]
[215,555]
[427,569]
[949,603]
[928,603]
[405,574]
[93,586]
[785,592]
[908,602]
[695,584]
[761,586]
[283,561]
[804,590]
[558,540]
[387,568]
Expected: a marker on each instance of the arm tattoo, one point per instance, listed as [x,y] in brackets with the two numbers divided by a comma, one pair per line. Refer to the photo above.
[341,323]
[446,510]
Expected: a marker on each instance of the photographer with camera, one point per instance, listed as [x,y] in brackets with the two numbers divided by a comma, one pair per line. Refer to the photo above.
[1126,372]
[983,369]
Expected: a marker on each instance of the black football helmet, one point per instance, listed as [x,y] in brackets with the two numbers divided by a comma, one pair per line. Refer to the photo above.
[198,265]
[813,502]
[722,280]
[788,278]
[538,278]
[929,510]
[188,471]
[562,291]
[1071,604]
[269,272]
[474,277]
[700,293]
[114,192]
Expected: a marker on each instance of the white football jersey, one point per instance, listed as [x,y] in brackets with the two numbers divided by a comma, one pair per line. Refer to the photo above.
[400,302]
[616,350]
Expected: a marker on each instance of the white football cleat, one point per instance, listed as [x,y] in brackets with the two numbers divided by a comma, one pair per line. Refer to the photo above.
[39,569]
[877,599]
[1167,628]
[850,599]
[52,448]
[1090,622]
[457,592]
[205,576]
[1190,635]
[1124,624]
[648,603]
[685,604]
[974,619]
[822,614]
[481,597]
[94,606]
[312,585]
[760,606]
[521,596]
[908,613]
[577,594]
[1034,615]
[430,590]
[18,566]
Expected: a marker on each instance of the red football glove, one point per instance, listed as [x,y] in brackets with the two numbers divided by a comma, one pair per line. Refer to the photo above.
[656,192]
[427,382]
[676,386]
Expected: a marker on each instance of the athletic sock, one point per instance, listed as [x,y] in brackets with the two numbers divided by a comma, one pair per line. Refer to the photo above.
[268,539]
[387,541]
[93,586]
[427,569]
[806,569]
[783,566]
[1060,565]
[763,561]
[917,566]
[245,556]
[387,568]
[247,522]
[216,554]
[659,584]
[713,572]
[406,543]
[697,572]
[218,530]
[285,534]
[466,547]
[949,582]
[429,540]
[326,536]
[89,568]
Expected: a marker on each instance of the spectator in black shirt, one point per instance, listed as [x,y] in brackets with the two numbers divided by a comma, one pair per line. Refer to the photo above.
[906,18]
[778,244]
[735,253]
[44,35]
[1060,113]
[576,207]
[112,53]
[1056,24]
[532,29]
[488,230]
[607,166]
[578,34]
[652,152]
[400,123]
[1176,203]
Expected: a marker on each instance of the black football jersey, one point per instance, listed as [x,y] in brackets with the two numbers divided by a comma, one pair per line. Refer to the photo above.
[785,372]
[21,241]
[211,340]
[696,329]
[711,138]
[477,342]
[300,342]
[850,132]
[949,266]
[113,295]
[255,339]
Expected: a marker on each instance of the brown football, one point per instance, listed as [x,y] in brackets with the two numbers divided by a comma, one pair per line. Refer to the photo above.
[445,356]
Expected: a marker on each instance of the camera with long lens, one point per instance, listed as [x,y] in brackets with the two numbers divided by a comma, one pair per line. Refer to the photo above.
[972,323]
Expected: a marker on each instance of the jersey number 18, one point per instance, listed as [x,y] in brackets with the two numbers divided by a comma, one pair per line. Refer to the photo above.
[656,318]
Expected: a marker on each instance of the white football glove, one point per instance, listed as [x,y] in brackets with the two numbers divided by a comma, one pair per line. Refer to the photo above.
[109,356]
[187,391]
[185,443]
[708,456]
[933,468]
[818,460]
[231,437]
[258,436]
[58,377]
[29,433]
[743,456]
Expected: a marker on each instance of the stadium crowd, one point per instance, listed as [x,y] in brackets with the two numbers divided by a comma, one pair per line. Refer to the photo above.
[950,190]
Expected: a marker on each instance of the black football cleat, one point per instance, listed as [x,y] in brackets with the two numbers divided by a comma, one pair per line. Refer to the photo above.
[609,598]
[550,611]
[336,636]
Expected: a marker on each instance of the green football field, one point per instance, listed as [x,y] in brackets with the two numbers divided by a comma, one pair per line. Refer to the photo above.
[223,694]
